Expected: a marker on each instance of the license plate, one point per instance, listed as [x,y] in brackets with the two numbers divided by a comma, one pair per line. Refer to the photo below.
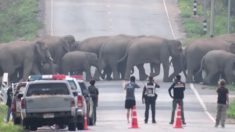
[48,115]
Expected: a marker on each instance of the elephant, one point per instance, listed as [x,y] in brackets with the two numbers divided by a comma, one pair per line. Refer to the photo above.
[179,65]
[112,51]
[218,62]
[49,68]
[59,46]
[93,45]
[78,61]
[25,55]
[152,49]
[197,49]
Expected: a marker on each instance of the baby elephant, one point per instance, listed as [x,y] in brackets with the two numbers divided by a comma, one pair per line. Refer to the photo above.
[217,63]
[79,61]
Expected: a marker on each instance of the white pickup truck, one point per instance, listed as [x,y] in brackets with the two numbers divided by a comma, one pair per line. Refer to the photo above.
[48,102]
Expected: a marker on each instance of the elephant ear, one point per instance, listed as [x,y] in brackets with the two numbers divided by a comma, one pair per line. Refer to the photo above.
[232,48]
[68,41]
[39,48]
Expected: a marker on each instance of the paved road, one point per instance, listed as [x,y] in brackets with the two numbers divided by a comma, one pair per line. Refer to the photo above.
[112,115]
[87,18]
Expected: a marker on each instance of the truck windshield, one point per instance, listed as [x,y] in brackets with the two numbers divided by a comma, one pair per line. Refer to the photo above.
[47,89]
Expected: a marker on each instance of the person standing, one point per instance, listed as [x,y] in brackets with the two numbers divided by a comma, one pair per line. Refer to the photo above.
[149,97]
[8,103]
[94,93]
[130,95]
[178,88]
[222,104]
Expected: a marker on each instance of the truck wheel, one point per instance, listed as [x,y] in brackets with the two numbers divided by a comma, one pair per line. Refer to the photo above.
[17,121]
[72,126]
[80,126]
[33,128]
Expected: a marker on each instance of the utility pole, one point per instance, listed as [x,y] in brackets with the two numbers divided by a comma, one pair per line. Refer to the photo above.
[212,21]
[229,15]
[205,16]
[195,7]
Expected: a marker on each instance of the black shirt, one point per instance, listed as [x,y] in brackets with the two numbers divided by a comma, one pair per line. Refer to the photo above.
[222,95]
[178,88]
[94,92]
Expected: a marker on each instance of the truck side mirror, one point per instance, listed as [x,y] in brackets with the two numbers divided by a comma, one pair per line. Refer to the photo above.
[75,94]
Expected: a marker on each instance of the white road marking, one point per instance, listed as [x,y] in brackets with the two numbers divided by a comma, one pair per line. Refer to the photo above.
[168,19]
[191,85]
[201,102]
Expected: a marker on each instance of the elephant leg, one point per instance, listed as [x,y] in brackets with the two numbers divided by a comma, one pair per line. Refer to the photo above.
[107,73]
[142,74]
[189,78]
[26,71]
[97,75]
[209,77]
[88,73]
[198,77]
[115,72]
[128,72]
[166,71]
[156,67]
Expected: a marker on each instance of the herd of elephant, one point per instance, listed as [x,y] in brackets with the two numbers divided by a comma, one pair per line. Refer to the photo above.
[114,57]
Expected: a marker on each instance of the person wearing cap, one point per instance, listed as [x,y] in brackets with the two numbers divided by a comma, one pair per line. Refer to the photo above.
[94,93]
[149,97]
[222,104]
[178,88]
[130,95]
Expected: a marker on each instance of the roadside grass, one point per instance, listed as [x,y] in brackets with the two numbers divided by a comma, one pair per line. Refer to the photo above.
[19,19]
[7,127]
[193,25]
[231,110]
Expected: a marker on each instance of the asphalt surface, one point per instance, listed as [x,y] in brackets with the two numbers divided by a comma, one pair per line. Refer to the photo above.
[112,115]
[88,18]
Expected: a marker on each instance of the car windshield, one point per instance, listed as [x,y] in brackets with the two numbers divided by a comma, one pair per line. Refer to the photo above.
[72,84]
[47,89]
[84,88]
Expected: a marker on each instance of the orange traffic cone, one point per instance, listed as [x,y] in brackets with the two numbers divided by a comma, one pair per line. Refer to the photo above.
[134,122]
[178,122]
[85,122]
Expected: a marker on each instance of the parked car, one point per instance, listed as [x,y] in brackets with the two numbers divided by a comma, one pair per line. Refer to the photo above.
[80,100]
[48,102]
[18,92]
[89,102]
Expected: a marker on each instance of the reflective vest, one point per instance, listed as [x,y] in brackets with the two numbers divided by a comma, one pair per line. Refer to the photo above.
[150,90]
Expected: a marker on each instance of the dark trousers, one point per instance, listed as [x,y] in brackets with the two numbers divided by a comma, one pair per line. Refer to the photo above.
[150,102]
[174,105]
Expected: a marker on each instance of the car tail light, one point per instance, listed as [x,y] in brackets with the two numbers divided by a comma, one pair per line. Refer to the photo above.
[23,104]
[80,101]
[59,77]
[78,77]
[13,106]
[72,103]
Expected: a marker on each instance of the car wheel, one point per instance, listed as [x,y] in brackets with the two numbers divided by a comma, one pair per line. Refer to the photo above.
[80,124]
[17,121]
[33,128]
[72,126]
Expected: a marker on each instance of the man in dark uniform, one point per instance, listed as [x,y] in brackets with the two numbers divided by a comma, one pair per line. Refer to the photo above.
[178,88]
[94,92]
[149,97]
